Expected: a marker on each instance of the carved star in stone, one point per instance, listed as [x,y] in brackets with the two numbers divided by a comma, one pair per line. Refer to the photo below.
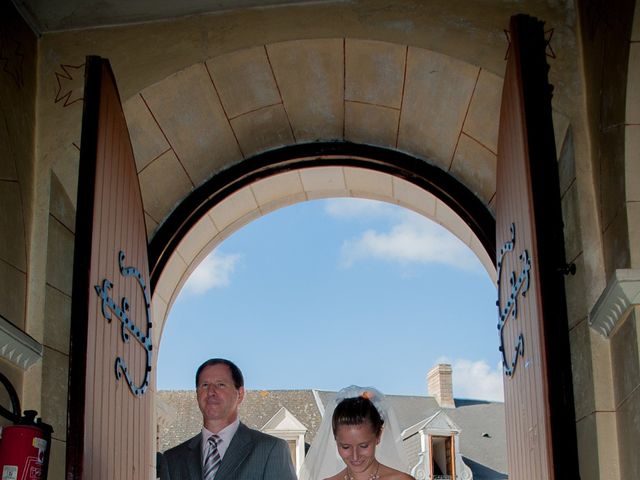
[70,84]
[548,35]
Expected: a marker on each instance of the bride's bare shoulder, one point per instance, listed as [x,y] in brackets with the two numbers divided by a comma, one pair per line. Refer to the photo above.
[337,476]
[387,473]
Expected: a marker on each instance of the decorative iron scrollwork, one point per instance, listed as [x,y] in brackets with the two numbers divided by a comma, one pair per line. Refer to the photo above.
[519,286]
[127,325]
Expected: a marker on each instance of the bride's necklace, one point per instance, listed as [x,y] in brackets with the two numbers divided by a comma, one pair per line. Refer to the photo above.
[373,476]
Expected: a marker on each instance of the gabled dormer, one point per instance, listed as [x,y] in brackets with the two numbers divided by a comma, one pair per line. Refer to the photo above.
[286,426]
[435,440]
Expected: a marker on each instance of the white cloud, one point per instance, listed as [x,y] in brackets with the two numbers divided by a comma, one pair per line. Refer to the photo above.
[476,380]
[412,239]
[214,271]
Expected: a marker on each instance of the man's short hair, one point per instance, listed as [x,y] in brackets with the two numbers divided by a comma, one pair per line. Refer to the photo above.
[236,374]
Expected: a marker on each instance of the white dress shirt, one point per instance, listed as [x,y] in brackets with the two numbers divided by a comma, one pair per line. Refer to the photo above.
[226,435]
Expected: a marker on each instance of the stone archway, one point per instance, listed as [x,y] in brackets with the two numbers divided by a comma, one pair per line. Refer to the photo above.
[299,173]
[228,200]
[210,143]
[304,172]
[238,108]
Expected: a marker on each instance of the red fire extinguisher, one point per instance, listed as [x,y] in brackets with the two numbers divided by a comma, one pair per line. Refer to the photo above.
[25,445]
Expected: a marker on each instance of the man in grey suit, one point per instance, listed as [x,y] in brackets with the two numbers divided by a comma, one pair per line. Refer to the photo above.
[235,452]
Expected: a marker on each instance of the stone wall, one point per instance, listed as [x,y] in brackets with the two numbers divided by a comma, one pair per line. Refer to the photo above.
[18,60]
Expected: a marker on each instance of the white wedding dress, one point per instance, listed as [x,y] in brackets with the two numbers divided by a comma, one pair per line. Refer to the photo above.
[323,461]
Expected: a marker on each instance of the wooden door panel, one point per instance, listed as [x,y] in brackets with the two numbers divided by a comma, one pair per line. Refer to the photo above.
[533,329]
[110,412]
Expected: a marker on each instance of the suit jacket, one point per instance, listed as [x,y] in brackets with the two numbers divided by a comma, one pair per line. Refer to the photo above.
[251,455]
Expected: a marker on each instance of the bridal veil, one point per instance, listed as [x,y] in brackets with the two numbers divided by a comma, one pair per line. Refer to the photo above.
[322,460]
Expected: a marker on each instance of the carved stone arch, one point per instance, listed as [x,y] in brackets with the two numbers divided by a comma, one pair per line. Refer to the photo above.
[238,195]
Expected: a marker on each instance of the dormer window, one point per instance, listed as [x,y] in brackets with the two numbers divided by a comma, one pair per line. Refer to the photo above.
[442,457]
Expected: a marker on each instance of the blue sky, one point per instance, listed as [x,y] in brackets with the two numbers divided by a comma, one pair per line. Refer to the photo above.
[329,293]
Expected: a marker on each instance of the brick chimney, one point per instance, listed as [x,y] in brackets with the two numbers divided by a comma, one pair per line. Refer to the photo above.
[440,384]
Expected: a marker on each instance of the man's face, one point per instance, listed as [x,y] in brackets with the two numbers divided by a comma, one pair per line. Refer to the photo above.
[218,398]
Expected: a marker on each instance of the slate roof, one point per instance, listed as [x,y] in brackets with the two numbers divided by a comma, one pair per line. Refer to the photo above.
[482,437]
[185,422]
[255,411]
[485,455]
[260,405]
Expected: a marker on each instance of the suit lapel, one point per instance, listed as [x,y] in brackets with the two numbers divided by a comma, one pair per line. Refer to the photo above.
[194,460]
[238,449]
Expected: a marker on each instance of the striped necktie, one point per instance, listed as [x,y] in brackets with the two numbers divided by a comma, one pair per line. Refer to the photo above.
[212,462]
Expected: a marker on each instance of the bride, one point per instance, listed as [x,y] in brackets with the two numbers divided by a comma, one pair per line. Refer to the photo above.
[359,439]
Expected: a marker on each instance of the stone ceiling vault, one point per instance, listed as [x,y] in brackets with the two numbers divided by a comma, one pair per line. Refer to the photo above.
[211,115]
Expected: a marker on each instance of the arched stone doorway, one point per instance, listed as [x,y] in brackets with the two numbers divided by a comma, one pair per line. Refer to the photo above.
[383,110]
[283,123]
[299,173]
[304,172]
[233,196]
